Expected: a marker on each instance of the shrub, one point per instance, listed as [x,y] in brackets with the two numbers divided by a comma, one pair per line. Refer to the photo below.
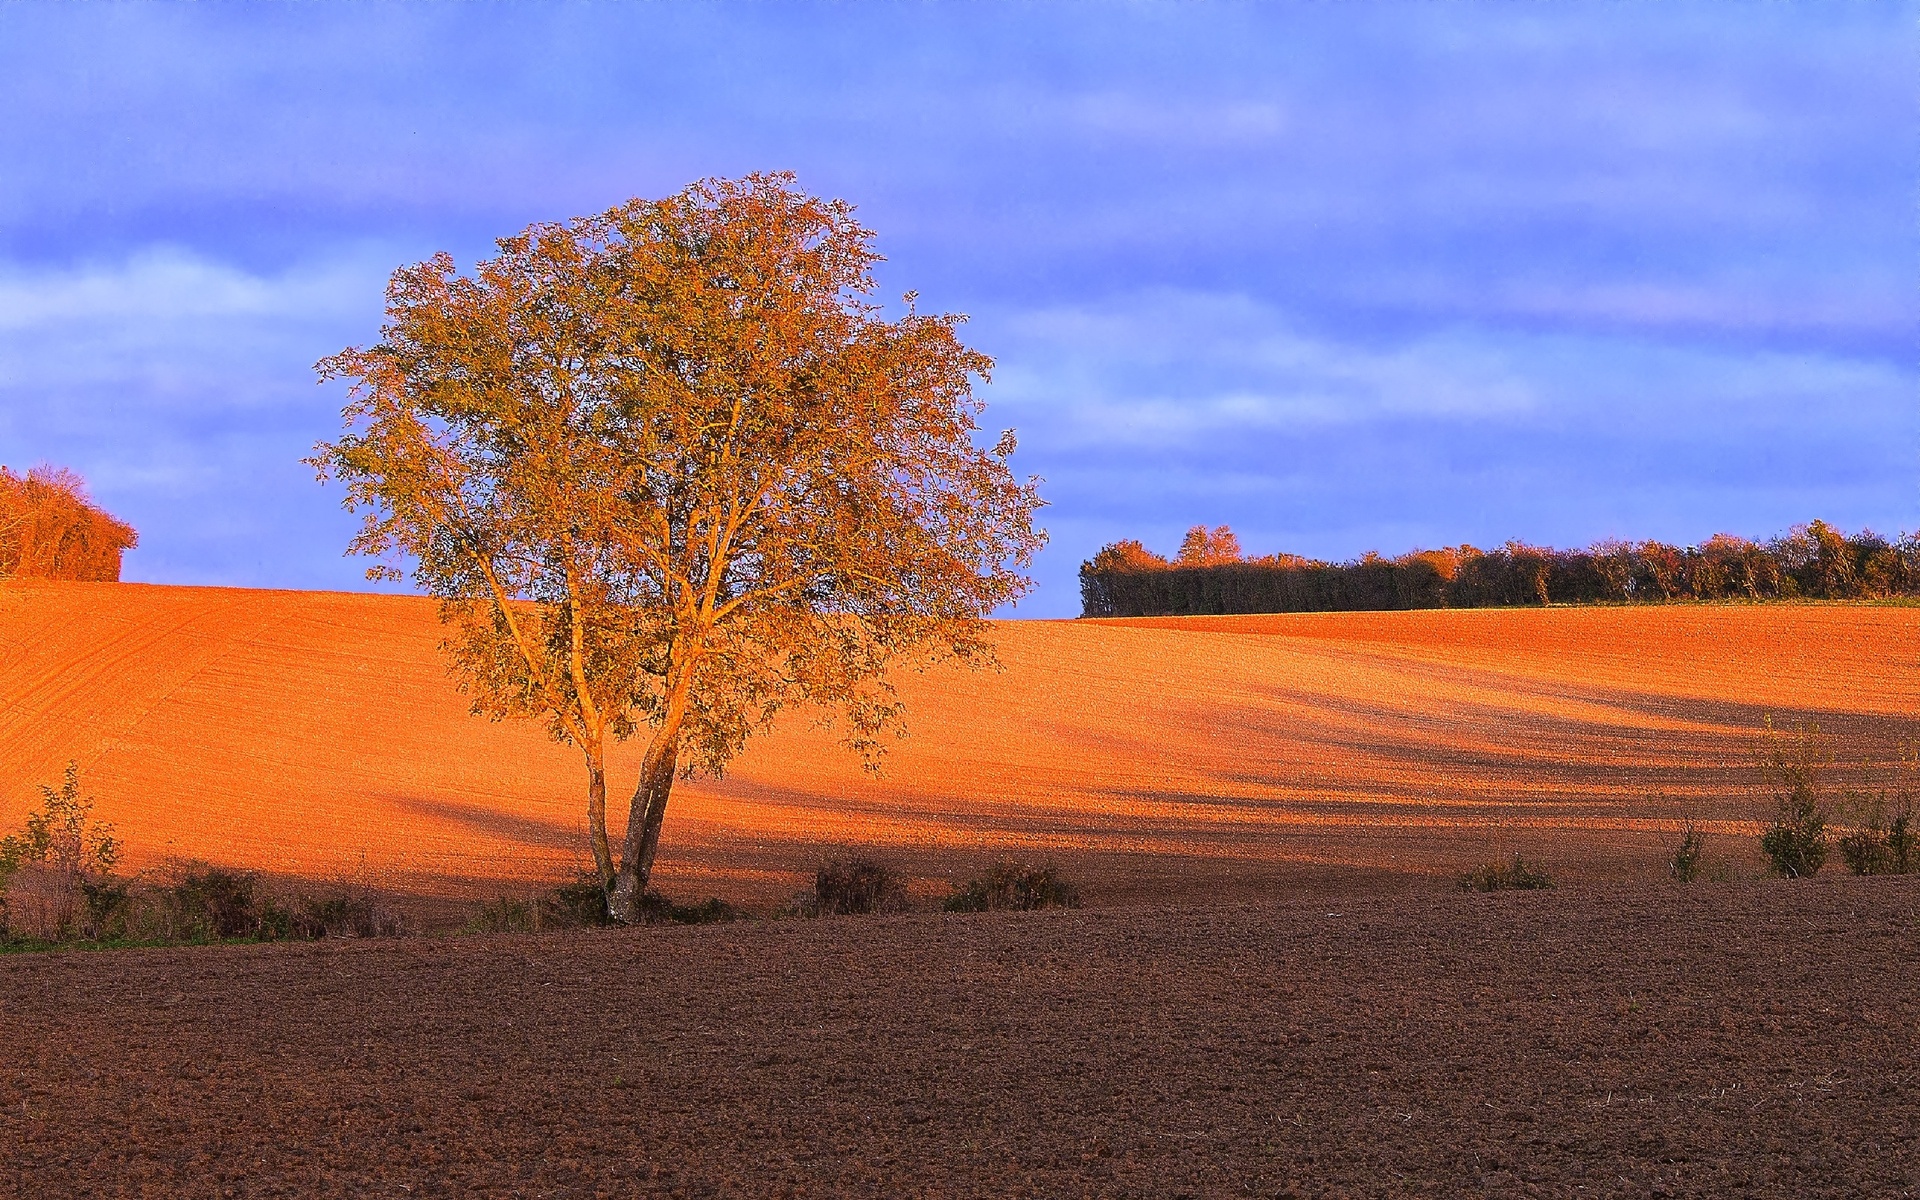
[581,903]
[1793,771]
[1796,845]
[857,885]
[1690,856]
[46,868]
[108,905]
[1009,885]
[277,924]
[1882,847]
[1500,876]
[355,913]
[210,903]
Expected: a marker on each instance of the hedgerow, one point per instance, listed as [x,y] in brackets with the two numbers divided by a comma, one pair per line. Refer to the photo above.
[1814,561]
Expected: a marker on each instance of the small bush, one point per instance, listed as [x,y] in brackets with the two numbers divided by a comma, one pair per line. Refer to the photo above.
[1882,847]
[1793,772]
[109,907]
[857,885]
[1689,858]
[1009,885]
[576,905]
[277,924]
[212,904]
[356,913]
[47,867]
[1500,876]
[1796,844]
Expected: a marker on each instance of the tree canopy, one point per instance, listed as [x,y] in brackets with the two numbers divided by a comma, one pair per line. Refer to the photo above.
[49,529]
[670,470]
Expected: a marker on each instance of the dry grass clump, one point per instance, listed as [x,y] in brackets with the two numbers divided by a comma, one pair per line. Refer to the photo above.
[506,914]
[1517,873]
[580,903]
[1013,886]
[855,886]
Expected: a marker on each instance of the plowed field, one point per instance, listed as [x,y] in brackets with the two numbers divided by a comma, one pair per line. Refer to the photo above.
[318,734]
[1629,1040]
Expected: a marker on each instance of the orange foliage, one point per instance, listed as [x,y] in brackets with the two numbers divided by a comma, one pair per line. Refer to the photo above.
[1203,547]
[1127,555]
[1444,561]
[670,470]
[50,530]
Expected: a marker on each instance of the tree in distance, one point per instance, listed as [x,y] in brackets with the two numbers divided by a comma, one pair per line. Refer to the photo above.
[49,529]
[668,469]
[1203,547]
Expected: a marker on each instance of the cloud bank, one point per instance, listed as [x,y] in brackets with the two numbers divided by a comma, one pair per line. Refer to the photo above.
[1344,277]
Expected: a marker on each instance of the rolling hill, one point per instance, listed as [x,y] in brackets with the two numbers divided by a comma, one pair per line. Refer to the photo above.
[318,735]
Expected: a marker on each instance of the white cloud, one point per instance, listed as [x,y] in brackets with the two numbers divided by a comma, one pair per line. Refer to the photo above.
[1184,373]
[177,329]
[171,285]
[1165,365]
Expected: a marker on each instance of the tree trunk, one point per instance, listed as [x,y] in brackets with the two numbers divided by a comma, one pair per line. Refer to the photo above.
[649,809]
[597,816]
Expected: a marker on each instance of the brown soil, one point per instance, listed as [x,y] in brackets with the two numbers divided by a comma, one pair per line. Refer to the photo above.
[318,735]
[1613,1040]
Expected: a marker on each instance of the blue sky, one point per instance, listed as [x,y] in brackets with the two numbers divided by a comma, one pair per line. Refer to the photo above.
[1347,277]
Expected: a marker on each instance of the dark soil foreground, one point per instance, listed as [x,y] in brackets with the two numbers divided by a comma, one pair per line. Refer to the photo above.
[1726,1040]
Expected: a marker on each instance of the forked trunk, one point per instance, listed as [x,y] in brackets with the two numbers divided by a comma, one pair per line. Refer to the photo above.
[649,809]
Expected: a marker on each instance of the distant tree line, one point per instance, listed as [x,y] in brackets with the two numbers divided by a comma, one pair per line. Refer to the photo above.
[50,530]
[1814,561]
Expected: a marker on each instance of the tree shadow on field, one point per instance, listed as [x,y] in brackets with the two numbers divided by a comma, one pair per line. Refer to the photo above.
[1631,741]
[1161,822]
[531,832]
[1068,817]
[1113,859]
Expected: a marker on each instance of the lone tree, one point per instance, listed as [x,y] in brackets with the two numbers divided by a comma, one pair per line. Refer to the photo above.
[669,470]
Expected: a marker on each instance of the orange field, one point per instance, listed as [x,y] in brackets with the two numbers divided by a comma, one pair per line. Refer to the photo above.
[318,735]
